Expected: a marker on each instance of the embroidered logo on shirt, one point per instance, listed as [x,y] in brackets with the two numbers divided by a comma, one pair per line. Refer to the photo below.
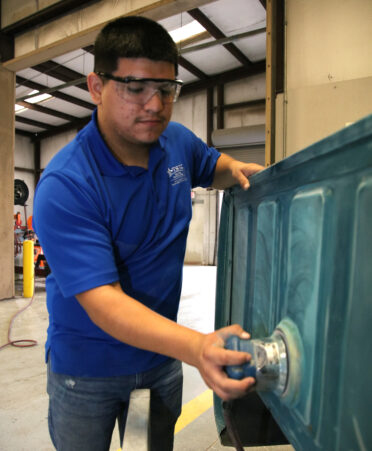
[177,174]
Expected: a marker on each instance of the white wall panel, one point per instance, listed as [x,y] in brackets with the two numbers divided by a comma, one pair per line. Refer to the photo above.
[50,146]
[328,68]
[245,116]
[251,88]
[192,113]
[23,152]
[328,41]
[315,112]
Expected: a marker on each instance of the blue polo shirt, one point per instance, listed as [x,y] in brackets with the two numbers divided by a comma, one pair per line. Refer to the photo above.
[100,221]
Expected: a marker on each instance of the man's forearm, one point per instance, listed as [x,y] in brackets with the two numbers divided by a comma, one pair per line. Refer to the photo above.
[131,322]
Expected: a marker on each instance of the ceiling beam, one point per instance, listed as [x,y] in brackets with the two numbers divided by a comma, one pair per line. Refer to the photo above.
[68,84]
[60,72]
[46,15]
[198,15]
[89,49]
[59,95]
[191,68]
[24,133]
[238,105]
[225,77]
[25,120]
[29,170]
[76,125]
[263,3]
[6,47]
[228,39]
[49,111]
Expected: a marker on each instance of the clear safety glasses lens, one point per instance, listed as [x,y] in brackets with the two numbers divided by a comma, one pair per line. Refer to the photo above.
[140,92]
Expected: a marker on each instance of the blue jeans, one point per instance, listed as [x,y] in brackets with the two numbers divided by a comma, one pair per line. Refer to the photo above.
[83,410]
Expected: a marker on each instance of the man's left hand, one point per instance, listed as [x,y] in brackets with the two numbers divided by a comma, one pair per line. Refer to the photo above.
[229,172]
[241,171]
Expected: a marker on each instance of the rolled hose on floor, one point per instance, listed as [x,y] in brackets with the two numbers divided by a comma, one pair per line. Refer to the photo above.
[23,343]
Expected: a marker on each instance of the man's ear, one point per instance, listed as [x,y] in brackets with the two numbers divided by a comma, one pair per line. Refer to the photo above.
[95,85]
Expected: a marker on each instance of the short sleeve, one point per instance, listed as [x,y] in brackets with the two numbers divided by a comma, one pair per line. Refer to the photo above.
[204,163]
[72,231]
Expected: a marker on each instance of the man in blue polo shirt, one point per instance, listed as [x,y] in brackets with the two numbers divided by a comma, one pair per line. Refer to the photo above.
[112,211]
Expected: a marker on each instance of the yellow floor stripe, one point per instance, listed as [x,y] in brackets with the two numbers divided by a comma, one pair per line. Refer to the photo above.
[193,409]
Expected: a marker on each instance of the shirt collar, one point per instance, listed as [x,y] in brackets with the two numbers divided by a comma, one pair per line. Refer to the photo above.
[108,164]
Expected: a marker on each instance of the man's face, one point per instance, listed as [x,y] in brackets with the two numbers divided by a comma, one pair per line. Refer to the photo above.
[128,122]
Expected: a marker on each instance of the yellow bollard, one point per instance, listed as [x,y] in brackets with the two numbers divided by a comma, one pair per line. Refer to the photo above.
[28,269]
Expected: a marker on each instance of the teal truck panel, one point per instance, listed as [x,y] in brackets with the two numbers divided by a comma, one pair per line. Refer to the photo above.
[297,246]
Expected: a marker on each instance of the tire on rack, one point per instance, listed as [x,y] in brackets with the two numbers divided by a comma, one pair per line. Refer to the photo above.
[20,192]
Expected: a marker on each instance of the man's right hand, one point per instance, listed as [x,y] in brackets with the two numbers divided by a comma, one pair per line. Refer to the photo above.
[213,357]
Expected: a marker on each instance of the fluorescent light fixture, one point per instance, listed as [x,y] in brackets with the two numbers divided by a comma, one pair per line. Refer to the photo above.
[36,99]
[19,108]
[187,31]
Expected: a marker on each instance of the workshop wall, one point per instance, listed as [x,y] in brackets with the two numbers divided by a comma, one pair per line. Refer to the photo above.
[191,111]
[50,146]
[328,68]
[252,88]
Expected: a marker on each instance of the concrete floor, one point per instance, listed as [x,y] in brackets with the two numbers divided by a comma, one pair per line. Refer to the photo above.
[23,399]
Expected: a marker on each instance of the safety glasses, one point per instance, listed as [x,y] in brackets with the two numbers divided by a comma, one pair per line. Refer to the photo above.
[140,90]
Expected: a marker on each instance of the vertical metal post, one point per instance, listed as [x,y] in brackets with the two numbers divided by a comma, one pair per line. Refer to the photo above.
[274,70]
[220,106]
[37,161]
[209,115]
[28,269]
[270,84]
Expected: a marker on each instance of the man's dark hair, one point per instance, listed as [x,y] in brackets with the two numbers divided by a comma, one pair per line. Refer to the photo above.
[133,37]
